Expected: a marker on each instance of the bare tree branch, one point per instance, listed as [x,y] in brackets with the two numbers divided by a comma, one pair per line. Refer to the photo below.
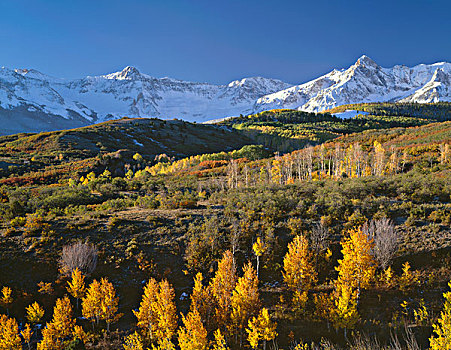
[79,255]
[386,241]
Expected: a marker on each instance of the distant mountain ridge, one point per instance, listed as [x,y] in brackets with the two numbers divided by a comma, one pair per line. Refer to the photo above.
[32,101]
[365,81]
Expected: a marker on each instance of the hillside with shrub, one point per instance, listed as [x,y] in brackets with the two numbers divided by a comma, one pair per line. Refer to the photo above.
[278,229]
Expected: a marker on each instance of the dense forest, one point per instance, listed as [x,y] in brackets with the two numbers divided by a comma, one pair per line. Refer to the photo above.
[334,245]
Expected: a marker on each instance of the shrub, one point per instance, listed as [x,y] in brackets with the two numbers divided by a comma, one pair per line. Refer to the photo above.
[79,255]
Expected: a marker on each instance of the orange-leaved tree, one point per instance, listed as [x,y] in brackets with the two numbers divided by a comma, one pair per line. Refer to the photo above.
[259,249]
[26,334]
[133,342]
[109,303]
[441,339]
[6,299]
[219,342]
[101,303]
[92,303]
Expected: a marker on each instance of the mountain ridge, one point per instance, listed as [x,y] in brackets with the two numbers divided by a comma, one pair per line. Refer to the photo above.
[33,101]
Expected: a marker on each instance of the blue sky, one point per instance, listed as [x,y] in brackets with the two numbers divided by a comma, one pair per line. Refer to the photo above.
[218,41]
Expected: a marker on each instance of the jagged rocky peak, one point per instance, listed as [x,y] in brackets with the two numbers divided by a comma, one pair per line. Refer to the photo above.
[128,73]
[365,61]
[440,76]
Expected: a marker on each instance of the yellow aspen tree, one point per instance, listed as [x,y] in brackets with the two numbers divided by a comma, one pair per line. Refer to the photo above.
[6,299]
[133,342]
[58,332]
[222,286]
[45,288]
[146,317]
[358,267]
[407,277]
[345,313]
[76,287]
[299,271]
[219,342]
[261,328]
[79,333]
[165,311]
[193,335]
[9,334]
[164,344]
[92,304]
[27,333]
[276,170]
[387,276]
[245,300]
[259,249]
[50,340]
[202,300]
[109,303]
[441,338]
[379,159]
[324,306]
[34,313]
[62,317]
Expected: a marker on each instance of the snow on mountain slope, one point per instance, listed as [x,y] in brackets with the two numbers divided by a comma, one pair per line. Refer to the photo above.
[130,93]
[365,81]
[33,101]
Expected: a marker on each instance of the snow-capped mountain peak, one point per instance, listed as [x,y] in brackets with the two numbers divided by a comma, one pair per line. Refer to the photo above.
[365,61]
[33,101]
[364,81]
[128,73]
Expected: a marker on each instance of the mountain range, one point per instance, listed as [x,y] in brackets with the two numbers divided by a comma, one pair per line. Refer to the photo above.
[31,101]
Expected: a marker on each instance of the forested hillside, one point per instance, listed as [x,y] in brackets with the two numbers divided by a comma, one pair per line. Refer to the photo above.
[287,130]
[329,246]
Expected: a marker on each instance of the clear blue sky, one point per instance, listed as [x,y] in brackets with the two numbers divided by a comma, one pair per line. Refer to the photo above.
[218,41]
